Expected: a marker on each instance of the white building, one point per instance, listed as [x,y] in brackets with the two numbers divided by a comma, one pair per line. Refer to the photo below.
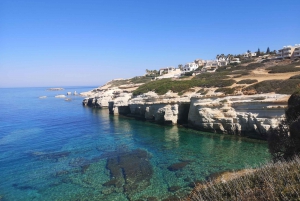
[190,67]
[169,72]
[286,52]
[296,51]
[235,60]
[250,54]
[210,66]
[223,61]
[166,70]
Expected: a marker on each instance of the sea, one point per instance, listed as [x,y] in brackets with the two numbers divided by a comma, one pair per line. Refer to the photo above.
[57,149]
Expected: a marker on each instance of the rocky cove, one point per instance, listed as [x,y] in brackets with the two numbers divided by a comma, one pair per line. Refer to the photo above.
[244,115]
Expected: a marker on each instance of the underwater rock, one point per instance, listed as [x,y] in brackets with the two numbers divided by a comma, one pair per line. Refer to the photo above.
[195,183]
[50,156]
[152,199]
[26,187]
[78,162]
[107,191]
[178,166]
[112,182]
[61,173]
[84,168]
[172,198]
[174,188]
[132,170]
[187,179]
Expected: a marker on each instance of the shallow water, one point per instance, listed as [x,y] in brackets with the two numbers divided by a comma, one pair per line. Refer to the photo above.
[52,149]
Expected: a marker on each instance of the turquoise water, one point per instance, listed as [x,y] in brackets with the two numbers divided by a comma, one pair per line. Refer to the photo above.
[52,149]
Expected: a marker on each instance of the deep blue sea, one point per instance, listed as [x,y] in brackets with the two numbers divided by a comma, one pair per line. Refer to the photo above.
[53,149]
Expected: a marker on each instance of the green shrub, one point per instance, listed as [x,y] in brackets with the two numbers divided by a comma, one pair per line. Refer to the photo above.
[284,141]
[202,91]
[140,79]
[247,81]
[254,66]
[295,77]
[273,181]
[277,86]
[188,73]
[247,61]
[284,69]
[164,85]
[226,90]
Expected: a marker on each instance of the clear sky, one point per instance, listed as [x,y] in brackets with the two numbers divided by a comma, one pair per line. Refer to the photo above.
[84,42]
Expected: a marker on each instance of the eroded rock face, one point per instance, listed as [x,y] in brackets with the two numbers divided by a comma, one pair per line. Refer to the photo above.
[230,117]
[237,115]
[131,171]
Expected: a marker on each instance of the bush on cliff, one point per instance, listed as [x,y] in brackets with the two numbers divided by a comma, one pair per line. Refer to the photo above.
[247,81]
[284,141]
[274,181]
[277,86]
[285,69]
[295,77]
[179,86]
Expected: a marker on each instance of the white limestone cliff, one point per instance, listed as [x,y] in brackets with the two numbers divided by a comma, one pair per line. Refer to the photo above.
[238,115]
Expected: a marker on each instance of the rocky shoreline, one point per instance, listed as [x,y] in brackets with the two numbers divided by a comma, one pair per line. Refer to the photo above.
[244,115]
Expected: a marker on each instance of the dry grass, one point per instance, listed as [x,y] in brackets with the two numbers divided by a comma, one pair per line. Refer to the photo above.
[274,181]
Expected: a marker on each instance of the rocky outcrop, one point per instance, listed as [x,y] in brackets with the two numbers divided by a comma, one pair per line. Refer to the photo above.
[230,115]
[251,115]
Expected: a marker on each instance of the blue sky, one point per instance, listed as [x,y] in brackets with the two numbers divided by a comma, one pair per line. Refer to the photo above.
[65,43]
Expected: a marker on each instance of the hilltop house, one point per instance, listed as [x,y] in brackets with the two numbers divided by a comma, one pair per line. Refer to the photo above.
[210,66]
[190,67]
[249,54]
[166,70]
[200,62]
[297,51]
[286,52]
[235,60]
[223,61]
[169,72]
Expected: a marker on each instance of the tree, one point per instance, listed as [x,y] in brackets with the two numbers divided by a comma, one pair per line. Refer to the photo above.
[180,66]
[268,51]
[284,141]
[229,57]
[258,52]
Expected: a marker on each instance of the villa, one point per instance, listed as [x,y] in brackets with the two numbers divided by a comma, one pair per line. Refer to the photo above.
[169,72]
[166,70]
[286,52]
[296,51]
[223,61]
[250,54]
[235,60]
[210,66]
[190,67]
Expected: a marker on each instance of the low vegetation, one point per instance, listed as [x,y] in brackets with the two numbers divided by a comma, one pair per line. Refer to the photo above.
[279,180]
[285,69]
[135,80]
[247,81]
[116,83]
[226,91]
[179,86]
[277,86]
[253,66]
[202,91]
[295,77]
[274,181]
[140,79]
